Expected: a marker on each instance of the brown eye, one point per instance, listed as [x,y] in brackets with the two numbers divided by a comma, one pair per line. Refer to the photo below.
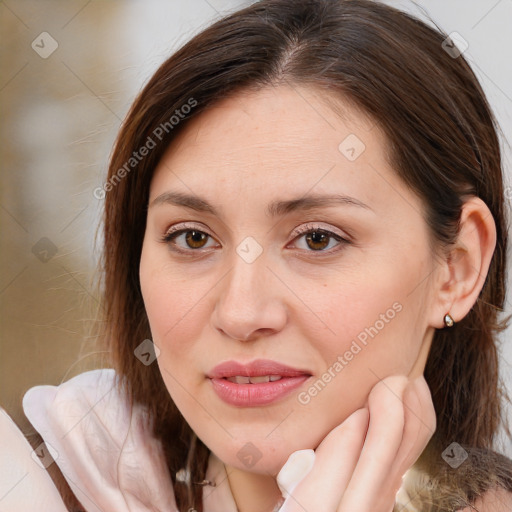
[195,239]
[317,240]
[189,239]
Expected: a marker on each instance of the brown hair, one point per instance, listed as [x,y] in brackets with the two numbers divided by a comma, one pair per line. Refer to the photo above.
[443,142]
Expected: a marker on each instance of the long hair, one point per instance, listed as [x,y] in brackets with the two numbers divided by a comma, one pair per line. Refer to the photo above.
[442,142]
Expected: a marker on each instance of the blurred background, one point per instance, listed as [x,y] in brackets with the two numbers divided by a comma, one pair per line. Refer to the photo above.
[69,71]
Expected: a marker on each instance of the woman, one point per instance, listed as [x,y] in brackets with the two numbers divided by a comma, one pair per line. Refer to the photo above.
[304,262]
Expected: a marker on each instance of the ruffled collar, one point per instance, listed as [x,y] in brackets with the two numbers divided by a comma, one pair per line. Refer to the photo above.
[109,458]
[105,452]
[100,444]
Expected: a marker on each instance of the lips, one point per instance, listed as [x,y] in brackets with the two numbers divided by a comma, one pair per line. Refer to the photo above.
[257,383]
[257,368]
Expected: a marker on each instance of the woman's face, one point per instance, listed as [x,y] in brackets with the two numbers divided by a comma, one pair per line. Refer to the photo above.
[342,291]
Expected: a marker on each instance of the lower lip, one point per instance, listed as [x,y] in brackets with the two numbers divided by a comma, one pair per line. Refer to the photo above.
[254,395]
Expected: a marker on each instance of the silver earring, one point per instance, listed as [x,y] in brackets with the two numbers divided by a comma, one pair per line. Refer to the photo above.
[183,476]
[448,320]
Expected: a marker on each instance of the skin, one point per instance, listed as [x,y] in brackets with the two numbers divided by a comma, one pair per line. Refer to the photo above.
[300,306]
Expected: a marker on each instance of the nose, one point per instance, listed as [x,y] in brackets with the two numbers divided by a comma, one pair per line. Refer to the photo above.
[250,302]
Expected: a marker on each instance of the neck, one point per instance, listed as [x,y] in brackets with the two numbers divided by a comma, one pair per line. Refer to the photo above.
[253,492]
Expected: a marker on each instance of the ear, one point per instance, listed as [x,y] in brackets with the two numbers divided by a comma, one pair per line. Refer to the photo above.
[464,269]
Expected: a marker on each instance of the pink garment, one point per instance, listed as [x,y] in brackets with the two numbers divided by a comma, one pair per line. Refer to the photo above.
[105,452]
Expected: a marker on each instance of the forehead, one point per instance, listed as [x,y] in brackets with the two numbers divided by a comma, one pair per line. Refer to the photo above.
[284,120]
[279,139]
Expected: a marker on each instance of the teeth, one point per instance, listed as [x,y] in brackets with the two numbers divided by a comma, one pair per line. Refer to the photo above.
[239,379]
[258,380]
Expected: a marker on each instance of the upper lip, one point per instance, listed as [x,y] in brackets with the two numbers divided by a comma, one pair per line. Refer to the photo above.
[255,368]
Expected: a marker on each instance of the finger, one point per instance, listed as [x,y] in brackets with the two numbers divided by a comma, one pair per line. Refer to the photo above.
[420,424]
[335,459]
[298,465]
[383,441]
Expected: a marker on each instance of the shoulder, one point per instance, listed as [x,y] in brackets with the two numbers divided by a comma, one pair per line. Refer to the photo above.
[465,480]
[492,471]
[494,500]
[102,444]
[30,478]
[482,471]
[24,483]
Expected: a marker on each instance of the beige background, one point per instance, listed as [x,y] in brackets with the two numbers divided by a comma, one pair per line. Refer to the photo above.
[59,117]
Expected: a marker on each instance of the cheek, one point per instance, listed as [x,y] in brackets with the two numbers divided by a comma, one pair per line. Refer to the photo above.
[174,313]
[178,313]
[373,337]
[349,306]
[168,296]
[369,323]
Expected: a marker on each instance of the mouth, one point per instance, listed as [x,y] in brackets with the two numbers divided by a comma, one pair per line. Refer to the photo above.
[258,383]
[241,379]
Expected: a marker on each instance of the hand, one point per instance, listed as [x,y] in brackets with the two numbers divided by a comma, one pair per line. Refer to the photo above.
[359,465]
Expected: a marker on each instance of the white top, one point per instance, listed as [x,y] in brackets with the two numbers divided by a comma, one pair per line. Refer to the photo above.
[106,454]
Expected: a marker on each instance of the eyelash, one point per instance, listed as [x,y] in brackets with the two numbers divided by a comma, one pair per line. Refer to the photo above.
[174,232]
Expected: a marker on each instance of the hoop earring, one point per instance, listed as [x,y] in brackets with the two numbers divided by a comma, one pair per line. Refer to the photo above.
[448,320]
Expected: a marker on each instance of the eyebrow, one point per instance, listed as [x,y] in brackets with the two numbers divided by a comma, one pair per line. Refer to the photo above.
[274,209]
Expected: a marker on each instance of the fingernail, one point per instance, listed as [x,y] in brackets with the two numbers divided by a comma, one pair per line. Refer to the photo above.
[298,465]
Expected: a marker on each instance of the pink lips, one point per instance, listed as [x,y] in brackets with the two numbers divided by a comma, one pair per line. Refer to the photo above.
[284,380]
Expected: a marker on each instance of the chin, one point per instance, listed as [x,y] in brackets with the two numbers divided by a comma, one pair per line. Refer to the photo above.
[263,457]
